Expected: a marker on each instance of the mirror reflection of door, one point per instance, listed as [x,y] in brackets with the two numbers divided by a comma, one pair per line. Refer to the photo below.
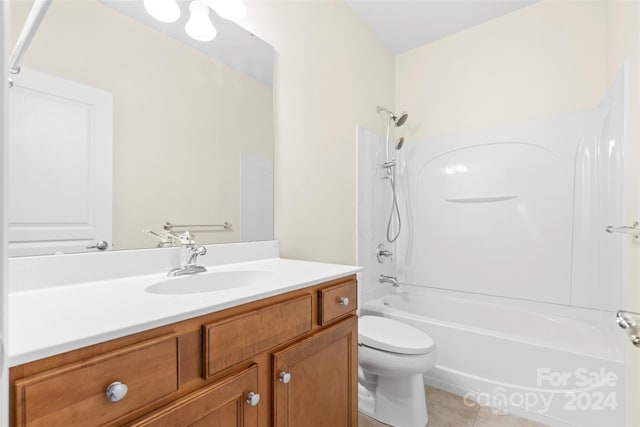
[60,130]
[256,198]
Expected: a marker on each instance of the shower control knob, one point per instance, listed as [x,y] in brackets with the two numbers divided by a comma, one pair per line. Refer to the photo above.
[253,399]
[117,391]
[382,253]
[284,377]
[344,301]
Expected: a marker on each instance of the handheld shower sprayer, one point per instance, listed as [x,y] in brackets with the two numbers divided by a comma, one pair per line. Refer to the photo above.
[390,164]
[397,122]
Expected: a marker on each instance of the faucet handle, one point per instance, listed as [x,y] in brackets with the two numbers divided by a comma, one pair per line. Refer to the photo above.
[167,239]
[186,238]
[382,253]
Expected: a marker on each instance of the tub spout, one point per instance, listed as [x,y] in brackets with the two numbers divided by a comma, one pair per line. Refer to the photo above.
[389,279]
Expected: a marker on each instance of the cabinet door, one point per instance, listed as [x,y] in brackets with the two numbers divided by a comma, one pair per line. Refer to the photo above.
[315,380]
[223,404]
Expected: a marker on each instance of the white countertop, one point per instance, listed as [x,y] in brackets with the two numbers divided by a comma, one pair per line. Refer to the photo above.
[50,321]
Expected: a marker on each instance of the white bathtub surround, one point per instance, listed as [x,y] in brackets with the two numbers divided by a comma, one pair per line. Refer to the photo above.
[523,207]
[72,301]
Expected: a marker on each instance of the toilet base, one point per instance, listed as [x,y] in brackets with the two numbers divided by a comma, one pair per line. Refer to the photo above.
[397,401]
[366,401]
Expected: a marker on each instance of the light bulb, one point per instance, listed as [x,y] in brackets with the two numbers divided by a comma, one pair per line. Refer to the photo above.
[199,26]
[232,10]
[163,10]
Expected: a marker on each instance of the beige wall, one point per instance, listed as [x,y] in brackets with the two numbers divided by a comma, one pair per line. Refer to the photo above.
[538,61]
[331,72]
[181,119]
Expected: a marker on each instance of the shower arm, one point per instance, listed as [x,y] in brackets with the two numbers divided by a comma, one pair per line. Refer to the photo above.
[38,10]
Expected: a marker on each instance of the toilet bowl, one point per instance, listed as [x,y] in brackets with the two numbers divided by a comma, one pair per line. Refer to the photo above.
[392,356]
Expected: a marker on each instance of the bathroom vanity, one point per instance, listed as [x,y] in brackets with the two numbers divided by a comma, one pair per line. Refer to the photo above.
[287,357]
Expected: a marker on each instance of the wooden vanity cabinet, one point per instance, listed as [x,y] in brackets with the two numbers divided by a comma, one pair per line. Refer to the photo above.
[222,369]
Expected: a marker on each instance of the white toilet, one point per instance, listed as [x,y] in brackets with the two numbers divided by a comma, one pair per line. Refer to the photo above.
[392,356]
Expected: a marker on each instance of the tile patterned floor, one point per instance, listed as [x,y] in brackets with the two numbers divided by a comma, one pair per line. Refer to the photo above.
[448,410]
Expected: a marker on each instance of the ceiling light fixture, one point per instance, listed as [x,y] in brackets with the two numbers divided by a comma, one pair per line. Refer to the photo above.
[199,27]
[163,10]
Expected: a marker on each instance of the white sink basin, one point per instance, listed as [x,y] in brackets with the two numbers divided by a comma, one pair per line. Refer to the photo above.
[210,282]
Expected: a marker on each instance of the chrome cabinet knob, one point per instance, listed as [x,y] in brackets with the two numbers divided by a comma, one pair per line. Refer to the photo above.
[117,391]
[102,245]
[344,301]
[253,399]
[284,377]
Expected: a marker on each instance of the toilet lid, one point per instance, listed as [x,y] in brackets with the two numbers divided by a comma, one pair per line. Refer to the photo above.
[393,336]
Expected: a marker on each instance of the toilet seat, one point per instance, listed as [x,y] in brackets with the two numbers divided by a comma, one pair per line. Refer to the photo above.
[390,335]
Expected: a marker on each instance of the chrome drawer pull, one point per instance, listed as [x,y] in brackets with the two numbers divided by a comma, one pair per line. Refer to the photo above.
[253,399]
[284,377]
[344,301]
[117,391]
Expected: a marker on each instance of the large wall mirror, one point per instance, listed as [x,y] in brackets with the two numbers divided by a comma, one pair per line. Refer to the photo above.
[120,123]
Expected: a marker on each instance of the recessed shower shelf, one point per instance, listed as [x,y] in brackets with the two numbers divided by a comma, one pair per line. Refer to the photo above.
[481,199]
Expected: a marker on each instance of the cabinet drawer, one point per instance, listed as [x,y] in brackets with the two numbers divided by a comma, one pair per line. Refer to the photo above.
[75,394]
[238,338]
[337,301]
[221,404]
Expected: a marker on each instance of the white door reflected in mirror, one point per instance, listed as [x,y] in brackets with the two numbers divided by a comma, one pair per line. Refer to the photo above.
[60,174]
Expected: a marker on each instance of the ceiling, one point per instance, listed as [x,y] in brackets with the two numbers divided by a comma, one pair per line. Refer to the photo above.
[402,25]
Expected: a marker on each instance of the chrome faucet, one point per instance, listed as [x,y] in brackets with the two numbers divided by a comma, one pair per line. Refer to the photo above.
[189,253]
[389,279]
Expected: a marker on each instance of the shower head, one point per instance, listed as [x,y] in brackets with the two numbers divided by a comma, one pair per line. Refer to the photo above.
[399,143]
[398,121]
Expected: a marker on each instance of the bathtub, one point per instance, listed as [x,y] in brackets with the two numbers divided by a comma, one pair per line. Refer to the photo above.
[554,364]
